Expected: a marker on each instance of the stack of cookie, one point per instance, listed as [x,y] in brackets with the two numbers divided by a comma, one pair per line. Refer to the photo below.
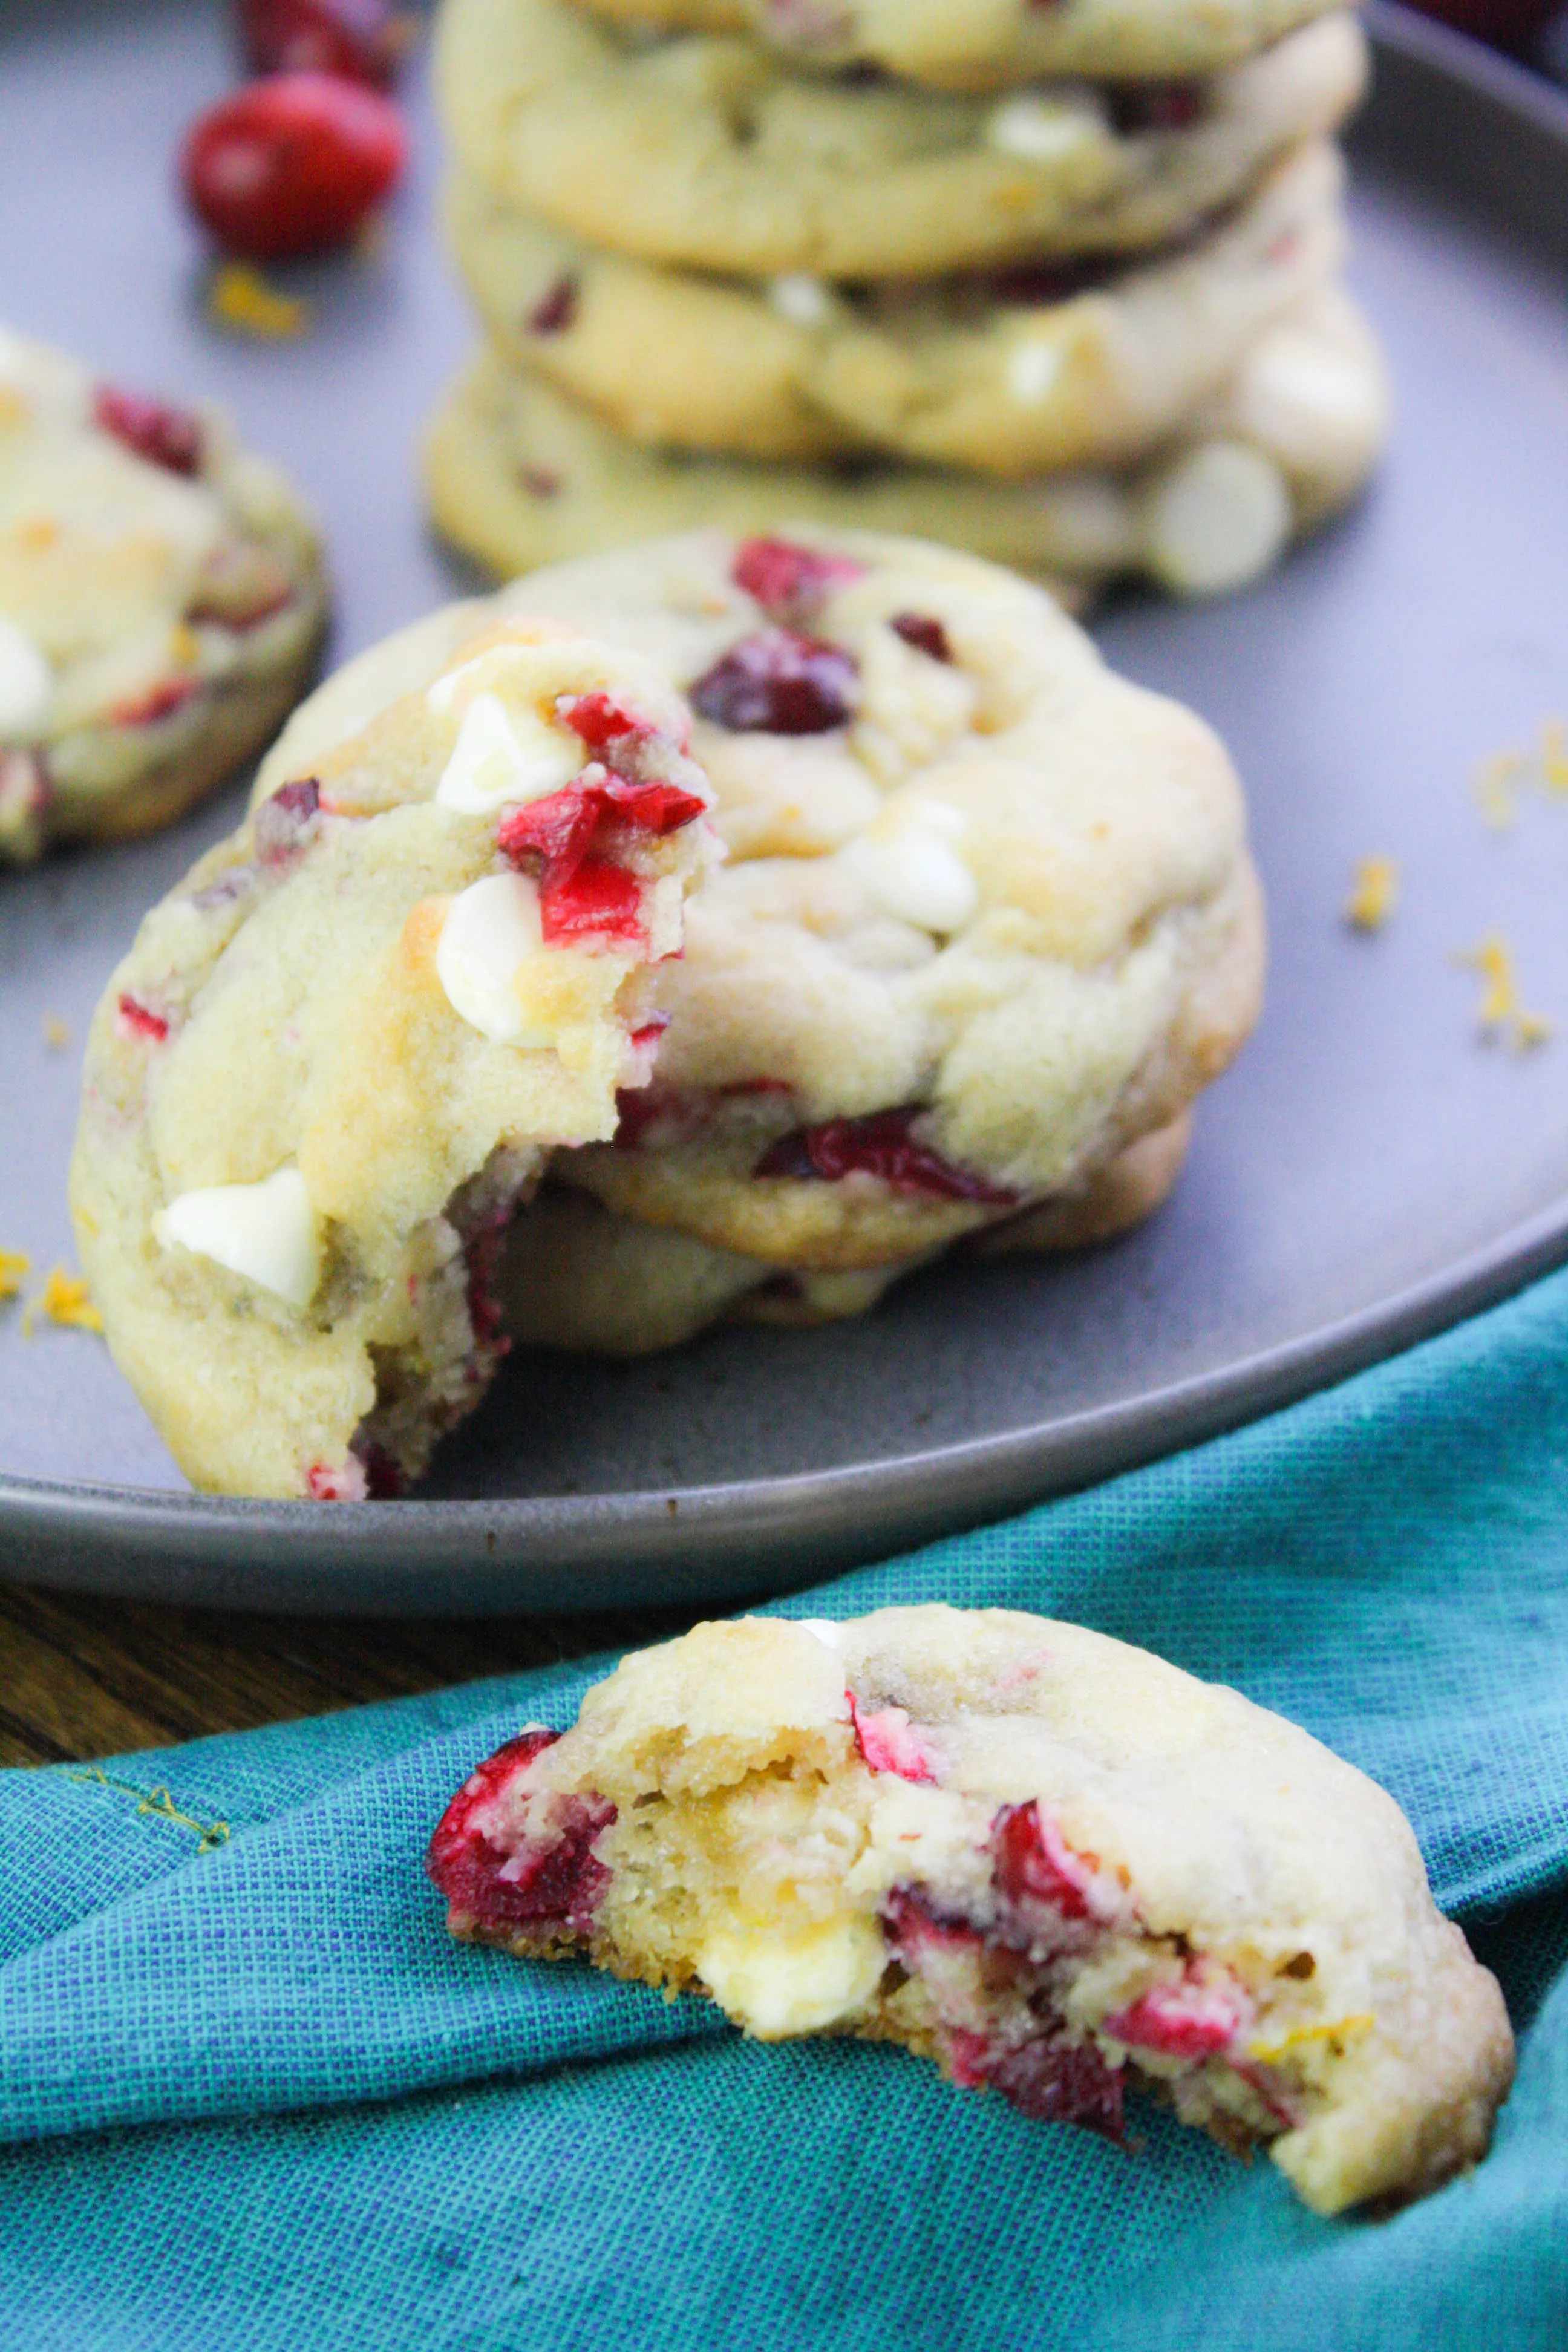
[1052,282]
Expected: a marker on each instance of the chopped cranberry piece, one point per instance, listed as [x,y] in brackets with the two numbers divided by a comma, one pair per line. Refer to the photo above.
[888,1742]
[1059,2082]
[540,482]
[559,829]
[791,584]
[555,1881]
[283,822]
[1139,106]
[596,900]
[925,634]
[360,40]
[598,719]
[879,1145]
[292,164]
[1193,2019]
[483,1256]
[136,1020]
[1033,1861]
[341,1481]
[910,1920]
[555,313]
[160,701]
[646,1038]
[166,436]
[778,684]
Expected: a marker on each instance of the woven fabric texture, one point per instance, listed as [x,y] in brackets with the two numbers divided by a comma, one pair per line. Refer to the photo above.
[251,2098]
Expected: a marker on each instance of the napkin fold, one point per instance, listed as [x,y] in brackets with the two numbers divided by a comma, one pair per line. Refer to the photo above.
[251,2096]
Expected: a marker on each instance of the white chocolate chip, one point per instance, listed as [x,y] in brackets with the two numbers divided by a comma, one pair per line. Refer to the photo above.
[501,755]
[1032,369]
[776,1985]
[26,682]
[490,933]
[909,866]
[1216,519]
[1044,130]
[804,301]
[267,1232]
[823,1629]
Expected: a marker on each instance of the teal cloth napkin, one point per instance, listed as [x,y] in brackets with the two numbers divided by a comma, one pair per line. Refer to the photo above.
[251,2096]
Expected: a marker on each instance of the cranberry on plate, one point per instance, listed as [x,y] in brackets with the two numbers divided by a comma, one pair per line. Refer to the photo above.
[291,165]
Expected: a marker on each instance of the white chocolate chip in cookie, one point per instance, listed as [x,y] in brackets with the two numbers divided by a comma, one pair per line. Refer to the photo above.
[1216,519]
[908,865]
[490,935]
[504,755]
[268,1233]
[26,682]
[1034,368]
[1042,131]
[775,1985]
[803,300]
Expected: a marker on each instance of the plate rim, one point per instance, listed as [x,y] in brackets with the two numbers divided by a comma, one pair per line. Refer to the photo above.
[737,1537]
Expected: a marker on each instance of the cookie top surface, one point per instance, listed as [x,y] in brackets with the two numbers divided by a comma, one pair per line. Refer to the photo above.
[1008,372]
[1194,1884]
[979,45]
[149,572]
[975,881]
[712,153]
[418,965]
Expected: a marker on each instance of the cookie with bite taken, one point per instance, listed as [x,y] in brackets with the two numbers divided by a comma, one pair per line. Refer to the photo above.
[162,604]
[1051,1863]
[340,1052]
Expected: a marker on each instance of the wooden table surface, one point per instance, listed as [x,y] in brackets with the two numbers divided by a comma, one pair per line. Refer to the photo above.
[82,1678]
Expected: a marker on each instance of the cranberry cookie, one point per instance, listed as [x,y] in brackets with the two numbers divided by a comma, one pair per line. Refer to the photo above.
[339,1052]
[161,603]
[1051,1862]
[518,475]
[980,45]
[987,918]
[1008,372]
[711,153]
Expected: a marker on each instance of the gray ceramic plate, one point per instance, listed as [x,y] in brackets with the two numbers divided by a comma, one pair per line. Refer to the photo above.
[1370,1171]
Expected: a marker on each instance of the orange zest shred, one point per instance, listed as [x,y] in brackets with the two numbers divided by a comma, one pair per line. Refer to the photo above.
[240,298]
[1375,895]
[14,1265]
[1497,778]
[63,1300]
[1500,1009]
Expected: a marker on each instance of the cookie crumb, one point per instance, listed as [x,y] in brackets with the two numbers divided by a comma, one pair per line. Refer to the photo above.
[14,1265]
[240,298]
[63,1300]
[1499,1009]
[1375,895]
[56,1035]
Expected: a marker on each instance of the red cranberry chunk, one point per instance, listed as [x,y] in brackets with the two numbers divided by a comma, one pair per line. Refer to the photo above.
[137,1020]
[164,435]
[1194,2020]
[1032,284]
[777,683]
[791,584]
[879,1145]
[557,1882]
[558,831]
[284,823]
[291,165]
[483,1257]
[160,701]
[1141,106]
[1057,2082]
[1034,1864]
[556,308]
[888,1742]
[925,634]
[596,900]
[910,1920]
[599,720]
[360,40]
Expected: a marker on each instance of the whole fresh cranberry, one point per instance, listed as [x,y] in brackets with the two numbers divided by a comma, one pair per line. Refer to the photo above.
[291,165]
[359,41]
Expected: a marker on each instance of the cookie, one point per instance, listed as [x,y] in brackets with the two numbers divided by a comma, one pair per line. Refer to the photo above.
[161,603]
[713,155]
[338,1054]
[519,475]
[977,45]
[988,914]
[577,1276]
[1052,1863]
[1008,372]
